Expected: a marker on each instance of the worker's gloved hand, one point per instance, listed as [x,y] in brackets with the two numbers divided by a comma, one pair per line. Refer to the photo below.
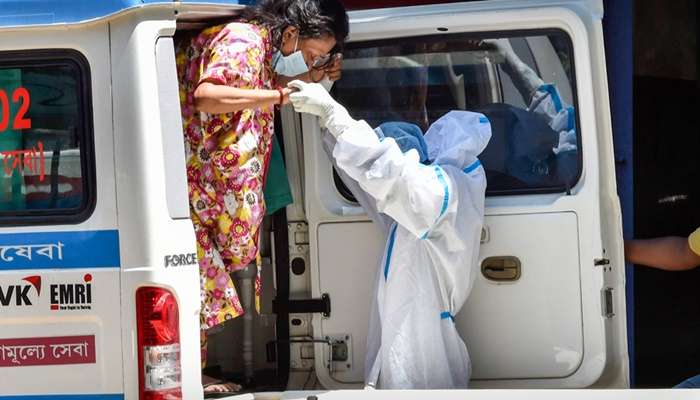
[312,98]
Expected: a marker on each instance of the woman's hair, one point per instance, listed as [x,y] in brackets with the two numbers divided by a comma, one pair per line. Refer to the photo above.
[313,18]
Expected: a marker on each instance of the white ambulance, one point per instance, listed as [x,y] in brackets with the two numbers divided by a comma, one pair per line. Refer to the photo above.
[99,285]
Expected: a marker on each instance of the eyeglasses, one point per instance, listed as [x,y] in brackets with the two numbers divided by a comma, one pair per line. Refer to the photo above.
[324,61]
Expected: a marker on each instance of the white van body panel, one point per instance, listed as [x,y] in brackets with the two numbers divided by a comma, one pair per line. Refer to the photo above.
[103,320]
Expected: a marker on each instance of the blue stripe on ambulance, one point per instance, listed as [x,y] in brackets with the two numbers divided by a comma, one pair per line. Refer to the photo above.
[62,250]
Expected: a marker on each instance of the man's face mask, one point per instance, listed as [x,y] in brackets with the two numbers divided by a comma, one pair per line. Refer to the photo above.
[291,65]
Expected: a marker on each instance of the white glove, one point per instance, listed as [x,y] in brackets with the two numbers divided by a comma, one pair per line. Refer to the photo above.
[312,98]
[326,83]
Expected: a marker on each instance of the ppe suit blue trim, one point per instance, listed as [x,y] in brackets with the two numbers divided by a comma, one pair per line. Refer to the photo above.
[445,198]
[445,188]
[549,88]
[476,164]
[446,315]
[390,248]
[570,122]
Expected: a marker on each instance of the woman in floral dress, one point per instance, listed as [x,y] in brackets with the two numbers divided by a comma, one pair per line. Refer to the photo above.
[231,78]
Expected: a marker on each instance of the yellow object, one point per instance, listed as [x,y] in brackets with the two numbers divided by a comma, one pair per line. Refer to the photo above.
[694,241]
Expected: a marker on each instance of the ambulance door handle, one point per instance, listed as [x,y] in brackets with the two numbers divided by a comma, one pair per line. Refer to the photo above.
[501,269]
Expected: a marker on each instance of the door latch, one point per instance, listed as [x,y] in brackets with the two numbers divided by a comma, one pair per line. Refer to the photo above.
[607,303]
[501,269]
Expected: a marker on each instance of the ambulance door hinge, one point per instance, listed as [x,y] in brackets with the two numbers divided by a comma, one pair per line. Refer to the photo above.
[607,303]
[598,262]
[306,306]
[298,254]
[298,237]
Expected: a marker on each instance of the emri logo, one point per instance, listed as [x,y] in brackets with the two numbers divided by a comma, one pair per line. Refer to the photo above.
[72,296]
[18,295]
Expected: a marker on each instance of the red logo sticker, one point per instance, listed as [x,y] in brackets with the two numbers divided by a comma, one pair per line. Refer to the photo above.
[22,352]
[35,280]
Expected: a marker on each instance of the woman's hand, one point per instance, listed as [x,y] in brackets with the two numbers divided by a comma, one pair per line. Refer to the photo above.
[285,95]
[334,70]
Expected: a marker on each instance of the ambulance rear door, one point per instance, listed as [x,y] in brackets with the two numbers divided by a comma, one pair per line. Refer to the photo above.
[547,308]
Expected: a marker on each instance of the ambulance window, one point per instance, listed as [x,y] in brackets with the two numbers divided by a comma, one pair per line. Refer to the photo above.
[523,83]
[45,138]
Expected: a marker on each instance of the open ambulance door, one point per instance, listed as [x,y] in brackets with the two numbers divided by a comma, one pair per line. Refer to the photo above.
[547,308]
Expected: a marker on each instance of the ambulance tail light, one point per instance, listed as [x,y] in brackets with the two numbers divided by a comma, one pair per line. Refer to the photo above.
[158,327]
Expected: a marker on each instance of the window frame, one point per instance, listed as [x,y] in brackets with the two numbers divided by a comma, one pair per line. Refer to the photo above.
[85,134]
[522,33]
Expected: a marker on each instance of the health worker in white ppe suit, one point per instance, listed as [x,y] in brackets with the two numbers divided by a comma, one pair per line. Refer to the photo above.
[434,214]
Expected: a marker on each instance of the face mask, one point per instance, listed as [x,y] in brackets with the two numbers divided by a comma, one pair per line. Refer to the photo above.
[291,65]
